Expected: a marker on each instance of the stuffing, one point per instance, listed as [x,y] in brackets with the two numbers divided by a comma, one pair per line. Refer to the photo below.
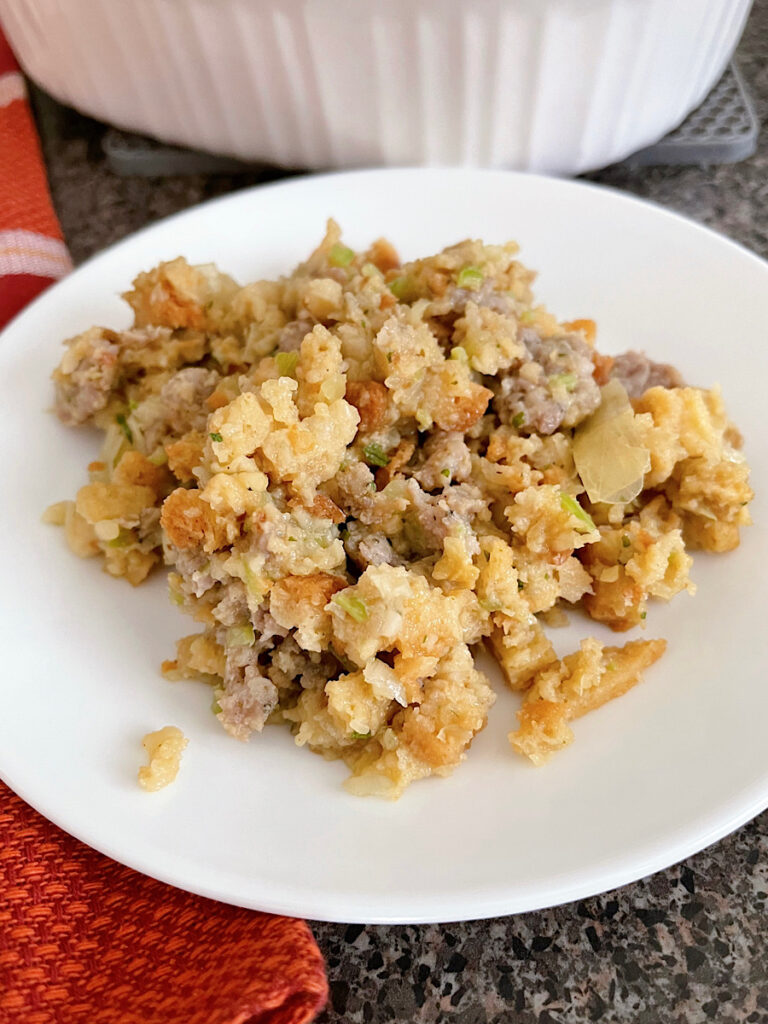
[489,339]
[185,455]
[190,522]
[522,649]
[114,502]
[643,557]
[86,375]
[176,294]
[360,472]
[299,602]
[371,399]
[550,521]
[579,683]
[391,606]
[429,737]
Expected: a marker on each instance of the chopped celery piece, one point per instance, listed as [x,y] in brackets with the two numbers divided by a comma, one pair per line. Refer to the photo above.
[563,380]
[241,636]
[570,505]
[352,605]
[123,539]
[470,277]
[158,457]
[286,363]
[123,424]
[403,288]
[375,455]
[340,255]
[253,581]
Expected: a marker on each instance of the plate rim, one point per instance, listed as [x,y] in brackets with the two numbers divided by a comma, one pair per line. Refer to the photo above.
[487,905]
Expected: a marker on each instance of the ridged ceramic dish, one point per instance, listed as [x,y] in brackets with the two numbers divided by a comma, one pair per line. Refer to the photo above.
[560,86]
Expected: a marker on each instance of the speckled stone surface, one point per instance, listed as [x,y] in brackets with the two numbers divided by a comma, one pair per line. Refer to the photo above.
[688,945]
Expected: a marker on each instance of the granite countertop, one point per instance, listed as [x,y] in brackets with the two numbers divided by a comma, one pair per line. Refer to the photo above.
[689,944]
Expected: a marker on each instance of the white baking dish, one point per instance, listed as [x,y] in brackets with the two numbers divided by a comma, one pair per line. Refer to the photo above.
[549,85]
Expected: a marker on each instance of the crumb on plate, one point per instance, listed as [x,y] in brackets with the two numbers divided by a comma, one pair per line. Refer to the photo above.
[164,749]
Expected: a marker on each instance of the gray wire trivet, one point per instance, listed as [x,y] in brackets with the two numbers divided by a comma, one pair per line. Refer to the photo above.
[723,130]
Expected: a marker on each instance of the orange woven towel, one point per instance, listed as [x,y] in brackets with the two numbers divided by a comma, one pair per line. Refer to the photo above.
[84,940]
[32,252]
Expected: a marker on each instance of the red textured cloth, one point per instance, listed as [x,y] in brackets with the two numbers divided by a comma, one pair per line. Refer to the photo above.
[32,251]
[84,940]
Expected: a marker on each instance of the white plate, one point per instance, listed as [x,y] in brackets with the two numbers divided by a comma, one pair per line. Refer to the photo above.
[662,772]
